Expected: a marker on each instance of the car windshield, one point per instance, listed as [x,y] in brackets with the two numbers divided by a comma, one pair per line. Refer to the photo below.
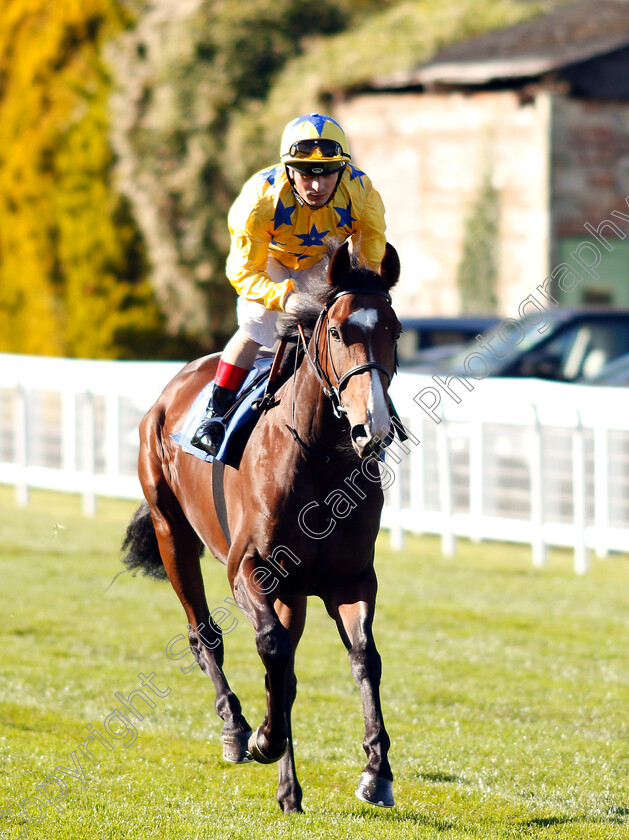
[501,340]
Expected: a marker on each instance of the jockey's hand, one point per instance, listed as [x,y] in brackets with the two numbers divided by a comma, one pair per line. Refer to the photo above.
[290,303]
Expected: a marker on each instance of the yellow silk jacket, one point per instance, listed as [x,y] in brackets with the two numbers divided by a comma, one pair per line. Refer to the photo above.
[267,220]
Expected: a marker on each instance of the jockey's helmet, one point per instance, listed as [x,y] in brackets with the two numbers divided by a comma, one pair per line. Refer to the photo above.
[315,145]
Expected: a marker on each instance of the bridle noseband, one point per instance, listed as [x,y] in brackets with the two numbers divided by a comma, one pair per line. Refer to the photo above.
[330,389]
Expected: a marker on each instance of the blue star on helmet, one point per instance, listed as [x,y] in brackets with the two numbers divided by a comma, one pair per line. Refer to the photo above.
[345,216]
[318,120]
[282,215]
[313,237]
[356,173]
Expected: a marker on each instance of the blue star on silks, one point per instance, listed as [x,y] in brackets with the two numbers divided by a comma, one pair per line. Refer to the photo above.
[269,175]
[282,215]
[356,173]
[313,237]
[345,216]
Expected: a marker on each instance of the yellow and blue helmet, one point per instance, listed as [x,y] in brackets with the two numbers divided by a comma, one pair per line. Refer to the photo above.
[315,145]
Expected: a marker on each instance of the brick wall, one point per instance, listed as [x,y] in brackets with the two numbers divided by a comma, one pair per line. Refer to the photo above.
[590,163]
[426,154]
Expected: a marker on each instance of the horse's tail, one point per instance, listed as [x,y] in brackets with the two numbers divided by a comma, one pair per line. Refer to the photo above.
[140,548]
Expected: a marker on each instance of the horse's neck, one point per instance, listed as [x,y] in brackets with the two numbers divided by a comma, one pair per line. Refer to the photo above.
[311,411]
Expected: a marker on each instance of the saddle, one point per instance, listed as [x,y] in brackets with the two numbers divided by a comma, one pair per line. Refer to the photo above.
[254,397]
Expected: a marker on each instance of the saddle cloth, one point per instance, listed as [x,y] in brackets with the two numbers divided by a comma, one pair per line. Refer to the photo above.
[241,418]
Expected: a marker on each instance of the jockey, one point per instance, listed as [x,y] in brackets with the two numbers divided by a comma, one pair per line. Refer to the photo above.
[280,226]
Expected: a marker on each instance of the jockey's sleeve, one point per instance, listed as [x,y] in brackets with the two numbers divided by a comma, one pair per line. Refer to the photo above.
[372,229]
[248,258]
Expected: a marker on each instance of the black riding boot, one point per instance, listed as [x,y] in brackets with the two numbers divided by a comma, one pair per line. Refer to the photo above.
[209,436]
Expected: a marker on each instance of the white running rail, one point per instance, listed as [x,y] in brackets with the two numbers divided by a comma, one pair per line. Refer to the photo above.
[525,461]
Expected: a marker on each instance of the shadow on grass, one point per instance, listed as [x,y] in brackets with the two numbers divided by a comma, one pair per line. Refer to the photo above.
[401,817]
[442,778]
[548,822]
[614,815]
[618,815]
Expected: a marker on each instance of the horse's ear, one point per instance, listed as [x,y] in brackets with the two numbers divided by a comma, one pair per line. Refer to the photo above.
[390,267]
[340,265]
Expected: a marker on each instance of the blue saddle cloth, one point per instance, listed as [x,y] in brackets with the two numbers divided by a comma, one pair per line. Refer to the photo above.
[241,422]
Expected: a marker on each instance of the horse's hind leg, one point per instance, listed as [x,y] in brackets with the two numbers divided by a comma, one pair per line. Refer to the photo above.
[352,607]
[180,549]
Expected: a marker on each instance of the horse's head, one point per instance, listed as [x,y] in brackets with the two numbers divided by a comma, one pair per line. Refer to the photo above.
[355,338]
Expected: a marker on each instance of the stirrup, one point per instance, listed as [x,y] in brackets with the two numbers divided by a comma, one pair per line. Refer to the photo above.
[211,433]
[210,436]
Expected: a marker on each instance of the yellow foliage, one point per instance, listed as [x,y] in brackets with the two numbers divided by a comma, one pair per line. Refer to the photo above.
[70,280]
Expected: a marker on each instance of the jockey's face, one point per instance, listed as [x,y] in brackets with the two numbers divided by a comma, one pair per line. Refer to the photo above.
[315,190]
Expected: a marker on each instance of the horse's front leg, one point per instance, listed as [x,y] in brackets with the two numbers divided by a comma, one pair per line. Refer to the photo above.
[352,607]
[268,744]
[292,614]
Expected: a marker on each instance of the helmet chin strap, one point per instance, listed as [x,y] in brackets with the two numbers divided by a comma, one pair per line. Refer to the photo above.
[301,201]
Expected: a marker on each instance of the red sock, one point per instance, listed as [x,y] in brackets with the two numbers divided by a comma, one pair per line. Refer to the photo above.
[230,376]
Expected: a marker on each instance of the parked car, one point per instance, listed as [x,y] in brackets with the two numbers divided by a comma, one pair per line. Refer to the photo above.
[567,345]
[613,373]
[431,339]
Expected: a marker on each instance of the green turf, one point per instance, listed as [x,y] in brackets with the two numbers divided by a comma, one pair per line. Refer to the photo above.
[505,692]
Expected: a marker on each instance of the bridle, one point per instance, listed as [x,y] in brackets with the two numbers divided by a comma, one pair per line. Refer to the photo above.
[330,389]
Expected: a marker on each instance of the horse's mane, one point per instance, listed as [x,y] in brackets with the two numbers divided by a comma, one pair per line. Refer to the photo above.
[316,292]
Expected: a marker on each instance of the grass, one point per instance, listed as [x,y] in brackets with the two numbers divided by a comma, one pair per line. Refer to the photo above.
[505,692]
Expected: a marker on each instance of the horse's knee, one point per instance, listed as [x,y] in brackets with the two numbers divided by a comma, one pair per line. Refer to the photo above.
[274,647]
[365,660]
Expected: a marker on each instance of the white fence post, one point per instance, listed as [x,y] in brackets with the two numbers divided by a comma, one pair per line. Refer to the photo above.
[477,478]
[20,437]
[579,498]
[68,431]
[112,434]
[448,541]
[601,488]
[536,473]
[396,531]
[417,479]
[88,424]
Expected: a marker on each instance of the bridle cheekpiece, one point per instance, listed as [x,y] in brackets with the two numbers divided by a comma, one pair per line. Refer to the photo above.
[330,389]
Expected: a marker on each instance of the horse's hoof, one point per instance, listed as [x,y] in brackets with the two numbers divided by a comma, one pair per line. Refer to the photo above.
[375,790]
[235,748]
[265,751]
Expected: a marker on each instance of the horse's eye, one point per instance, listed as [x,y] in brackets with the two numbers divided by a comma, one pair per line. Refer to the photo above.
[335,334]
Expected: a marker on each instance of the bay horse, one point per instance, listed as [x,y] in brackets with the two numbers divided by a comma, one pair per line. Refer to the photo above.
[302,512]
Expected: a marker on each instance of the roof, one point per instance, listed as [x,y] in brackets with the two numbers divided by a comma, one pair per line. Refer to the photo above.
[568,35]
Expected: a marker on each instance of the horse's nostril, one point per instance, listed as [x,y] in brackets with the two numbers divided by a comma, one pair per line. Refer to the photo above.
[359,432]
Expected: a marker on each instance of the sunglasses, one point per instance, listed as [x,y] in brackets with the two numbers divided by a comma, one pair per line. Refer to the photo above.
[319,148]
[323,167]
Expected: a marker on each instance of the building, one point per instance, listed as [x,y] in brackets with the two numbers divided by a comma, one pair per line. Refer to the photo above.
[529,124]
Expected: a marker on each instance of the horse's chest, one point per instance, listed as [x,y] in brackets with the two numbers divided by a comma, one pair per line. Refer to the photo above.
[324,537]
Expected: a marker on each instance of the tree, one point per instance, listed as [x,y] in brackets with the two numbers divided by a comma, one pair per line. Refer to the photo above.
[184,75]
[72,278]
[478,269]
